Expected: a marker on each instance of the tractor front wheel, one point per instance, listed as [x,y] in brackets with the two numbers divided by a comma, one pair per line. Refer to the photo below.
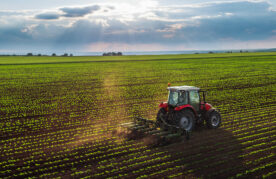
[186,120]
[213,120]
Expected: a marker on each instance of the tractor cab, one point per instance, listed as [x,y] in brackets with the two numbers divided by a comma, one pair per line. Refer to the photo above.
[186,95]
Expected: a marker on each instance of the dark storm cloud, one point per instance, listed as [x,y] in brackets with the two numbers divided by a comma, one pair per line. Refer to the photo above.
[79,11]
[48,16]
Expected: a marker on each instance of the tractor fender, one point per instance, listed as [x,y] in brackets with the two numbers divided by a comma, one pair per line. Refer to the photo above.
[206,106]
[164,105]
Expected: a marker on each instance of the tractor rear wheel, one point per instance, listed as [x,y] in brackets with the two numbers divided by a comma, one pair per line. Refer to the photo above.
[186,120]
[213,120]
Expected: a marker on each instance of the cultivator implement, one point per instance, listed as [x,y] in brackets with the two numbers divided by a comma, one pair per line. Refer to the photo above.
[164,134]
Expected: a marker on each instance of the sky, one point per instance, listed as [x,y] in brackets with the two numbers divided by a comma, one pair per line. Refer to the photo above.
[131,25]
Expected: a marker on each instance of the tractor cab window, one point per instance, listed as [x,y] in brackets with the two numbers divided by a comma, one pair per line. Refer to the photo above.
[182,98]
[194,99]
[177,98]
[173,98]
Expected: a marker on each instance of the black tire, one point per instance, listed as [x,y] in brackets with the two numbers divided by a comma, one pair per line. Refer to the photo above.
[213,120]
[161,112]
[186,120]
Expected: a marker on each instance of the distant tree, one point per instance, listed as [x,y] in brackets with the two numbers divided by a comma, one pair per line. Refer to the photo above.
[29,54]
[39,54]
[71,55]
[210,52]
[240,51]
[113,54]
[65,55]
[54,54]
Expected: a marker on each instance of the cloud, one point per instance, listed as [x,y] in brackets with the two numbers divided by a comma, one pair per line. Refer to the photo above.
[213,9]
[111,7]
[48,16]
[238,7]
[81,32]
[203,25]
[9,13]
[79,11]
[69,12]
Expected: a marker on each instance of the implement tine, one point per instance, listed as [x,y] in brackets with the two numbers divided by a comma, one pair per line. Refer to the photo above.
[162,133]
[127,124]
[154,132]
[140,119]
[146,130]
[138,127]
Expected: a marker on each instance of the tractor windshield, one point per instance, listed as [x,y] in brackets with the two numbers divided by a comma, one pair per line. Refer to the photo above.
[173,98]
[177,98]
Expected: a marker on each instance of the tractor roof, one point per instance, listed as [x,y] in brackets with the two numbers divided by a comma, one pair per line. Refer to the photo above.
[184,88]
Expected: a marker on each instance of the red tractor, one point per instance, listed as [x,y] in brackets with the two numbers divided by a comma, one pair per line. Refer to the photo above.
[185,108]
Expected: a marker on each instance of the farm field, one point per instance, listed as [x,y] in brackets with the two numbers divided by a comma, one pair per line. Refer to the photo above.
[59,116]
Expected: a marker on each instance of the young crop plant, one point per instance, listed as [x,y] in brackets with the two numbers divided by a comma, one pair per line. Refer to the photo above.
[59,117]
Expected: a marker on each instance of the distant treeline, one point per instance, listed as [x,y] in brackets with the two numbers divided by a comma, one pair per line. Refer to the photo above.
[39,54]
[113,54]
[53,54]
[230,51]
